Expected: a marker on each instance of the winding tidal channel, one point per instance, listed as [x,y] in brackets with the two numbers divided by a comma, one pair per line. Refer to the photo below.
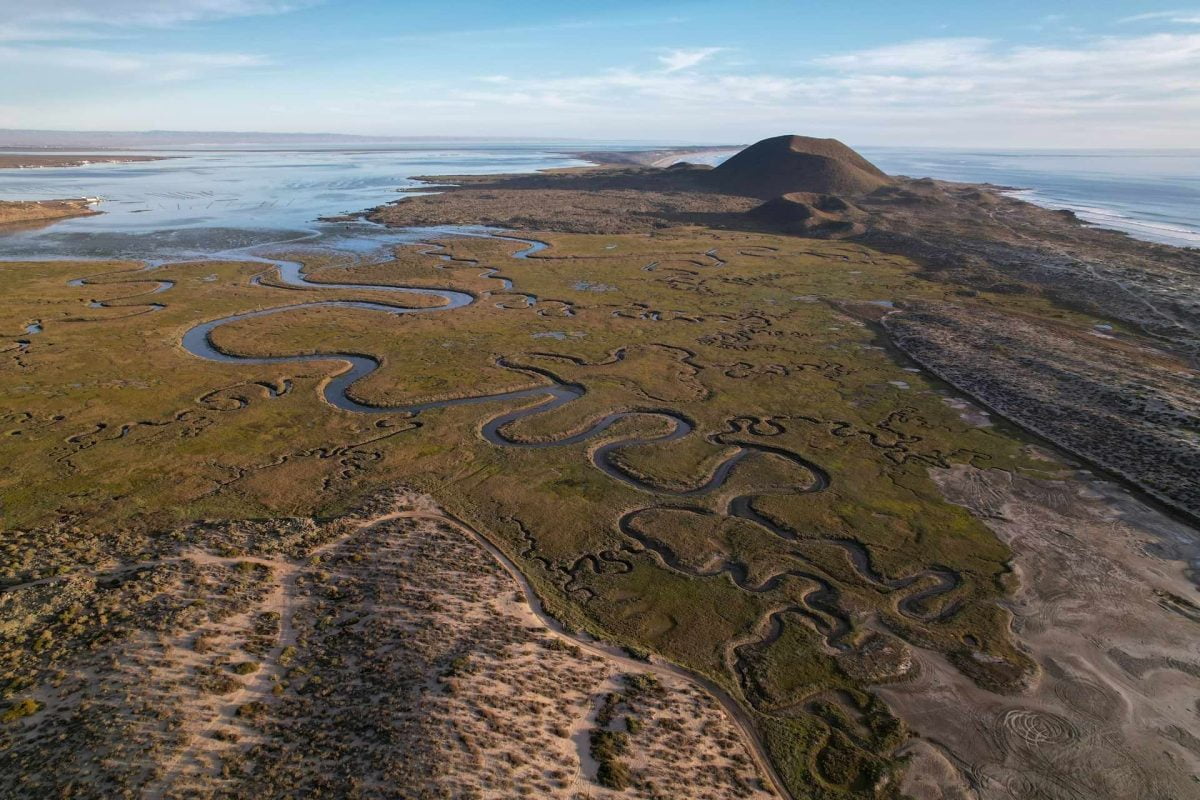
[819,606]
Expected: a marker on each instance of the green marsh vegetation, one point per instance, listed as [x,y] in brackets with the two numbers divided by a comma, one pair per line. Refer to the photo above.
[116,437]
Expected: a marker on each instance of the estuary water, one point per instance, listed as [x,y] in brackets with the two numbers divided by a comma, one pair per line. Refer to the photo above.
[199,202]
[1149,194]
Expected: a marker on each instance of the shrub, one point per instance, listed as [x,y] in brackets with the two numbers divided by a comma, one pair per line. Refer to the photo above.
[20,710]
[219,684]
[253,710]
[607,747]
[639,653]
[608,711]
[643,684]
[613,775]
[459,665]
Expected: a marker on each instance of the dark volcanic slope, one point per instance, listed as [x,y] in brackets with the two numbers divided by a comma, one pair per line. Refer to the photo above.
[811,214]
[786,164]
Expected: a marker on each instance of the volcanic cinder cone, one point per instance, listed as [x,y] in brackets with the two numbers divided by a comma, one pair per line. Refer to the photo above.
[786,164]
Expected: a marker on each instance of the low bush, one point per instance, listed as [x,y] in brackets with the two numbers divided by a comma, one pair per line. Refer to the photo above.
[21,709]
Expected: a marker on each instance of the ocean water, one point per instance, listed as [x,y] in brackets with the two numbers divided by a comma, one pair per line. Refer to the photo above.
[199,202]
[1149,194]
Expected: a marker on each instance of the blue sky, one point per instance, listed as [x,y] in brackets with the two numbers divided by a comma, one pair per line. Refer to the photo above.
[1021,74]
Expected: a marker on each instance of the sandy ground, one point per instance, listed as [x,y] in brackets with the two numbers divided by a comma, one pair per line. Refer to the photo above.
[509,706]
[1104,606]
[24,212]
[26,161]
[397,659]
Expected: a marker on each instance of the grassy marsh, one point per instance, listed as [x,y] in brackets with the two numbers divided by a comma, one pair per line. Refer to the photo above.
[116,435]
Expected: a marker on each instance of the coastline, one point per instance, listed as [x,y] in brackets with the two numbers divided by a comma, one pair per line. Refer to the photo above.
[20,212]
[1096,212]
[1112,219]
[1147,194]
[28,161]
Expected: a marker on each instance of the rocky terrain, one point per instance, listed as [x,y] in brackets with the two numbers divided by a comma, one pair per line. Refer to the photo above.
[976,237]
[1127,406]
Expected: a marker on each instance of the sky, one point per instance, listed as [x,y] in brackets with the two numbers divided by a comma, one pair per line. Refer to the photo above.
[870,72]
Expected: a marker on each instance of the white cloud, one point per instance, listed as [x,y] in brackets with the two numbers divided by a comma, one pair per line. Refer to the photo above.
[921,54]
[1103,63]
[134,13]
[971,71]
[1145,89]
[154,67]
[1129,90]
[81,20]
[677,60]
[59,36]
[1177,17]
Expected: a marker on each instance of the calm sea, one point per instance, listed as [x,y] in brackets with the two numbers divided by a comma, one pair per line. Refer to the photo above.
[199,202]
